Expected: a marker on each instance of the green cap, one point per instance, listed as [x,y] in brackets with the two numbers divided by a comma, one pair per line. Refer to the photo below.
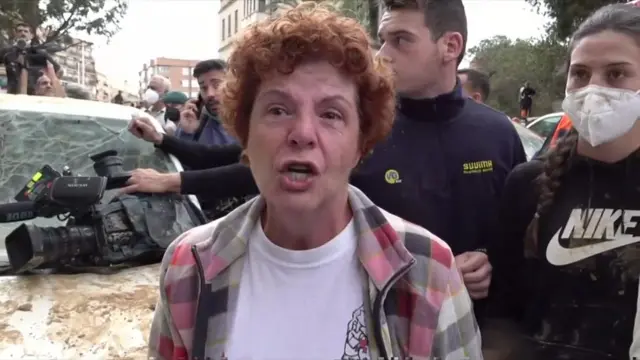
[175,97]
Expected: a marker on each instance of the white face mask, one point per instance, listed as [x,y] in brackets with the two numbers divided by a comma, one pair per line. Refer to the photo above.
[600,114]
[151,97]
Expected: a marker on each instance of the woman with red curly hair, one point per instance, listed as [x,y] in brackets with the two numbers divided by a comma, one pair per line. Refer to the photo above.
[311,268]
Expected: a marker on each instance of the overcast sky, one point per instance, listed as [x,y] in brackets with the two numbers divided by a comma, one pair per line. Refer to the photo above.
[189,29]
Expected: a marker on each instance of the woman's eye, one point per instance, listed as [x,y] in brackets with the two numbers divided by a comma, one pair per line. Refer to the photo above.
[615,74]
[579,74]
[277,111]
[331,115]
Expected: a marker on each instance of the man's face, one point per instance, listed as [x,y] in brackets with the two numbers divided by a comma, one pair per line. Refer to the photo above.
[23,32]
[407,43]
[468,89]
[209,83]
[304,137]
[44,87]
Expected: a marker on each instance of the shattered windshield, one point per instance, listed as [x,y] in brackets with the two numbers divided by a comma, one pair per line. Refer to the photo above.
[29,140]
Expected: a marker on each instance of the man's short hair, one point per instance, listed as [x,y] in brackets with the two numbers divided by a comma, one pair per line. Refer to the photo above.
[165,82]
[478,81]
[440,16]
[205,66]
[22,24]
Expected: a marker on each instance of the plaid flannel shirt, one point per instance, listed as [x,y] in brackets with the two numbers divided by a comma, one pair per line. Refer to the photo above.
[426,312]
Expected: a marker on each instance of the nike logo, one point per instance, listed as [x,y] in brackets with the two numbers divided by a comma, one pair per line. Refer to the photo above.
[600,227]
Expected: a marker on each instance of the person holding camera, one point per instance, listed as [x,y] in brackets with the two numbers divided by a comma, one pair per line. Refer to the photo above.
[28,55]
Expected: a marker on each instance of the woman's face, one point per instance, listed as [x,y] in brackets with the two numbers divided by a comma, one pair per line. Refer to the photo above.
[304,137]
[611,60]
[607,59]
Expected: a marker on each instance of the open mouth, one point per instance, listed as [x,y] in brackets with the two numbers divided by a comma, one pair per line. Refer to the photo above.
[299,171]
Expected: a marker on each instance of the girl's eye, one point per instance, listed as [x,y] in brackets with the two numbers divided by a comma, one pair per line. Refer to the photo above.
[615,74]
[579,74]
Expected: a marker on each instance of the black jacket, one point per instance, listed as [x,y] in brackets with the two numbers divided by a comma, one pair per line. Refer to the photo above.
[576,300]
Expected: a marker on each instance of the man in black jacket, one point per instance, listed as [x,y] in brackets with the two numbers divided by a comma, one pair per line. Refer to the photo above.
[446,160]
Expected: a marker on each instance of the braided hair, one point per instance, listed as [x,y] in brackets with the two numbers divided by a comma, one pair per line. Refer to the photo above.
[620,18]
[556,165]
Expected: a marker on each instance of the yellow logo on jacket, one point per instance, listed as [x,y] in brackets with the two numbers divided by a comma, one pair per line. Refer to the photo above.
[392,177]
[477,167]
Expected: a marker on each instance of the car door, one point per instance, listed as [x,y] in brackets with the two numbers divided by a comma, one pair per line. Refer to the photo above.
[545,125]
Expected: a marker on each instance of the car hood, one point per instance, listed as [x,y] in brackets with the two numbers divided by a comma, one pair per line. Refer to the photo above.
[59,316]
[78,316]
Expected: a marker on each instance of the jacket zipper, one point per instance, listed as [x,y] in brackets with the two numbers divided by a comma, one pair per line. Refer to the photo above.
[199,343]
[377,309]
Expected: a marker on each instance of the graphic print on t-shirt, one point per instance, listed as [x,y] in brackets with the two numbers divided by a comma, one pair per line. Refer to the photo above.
[356,346]
[592,232]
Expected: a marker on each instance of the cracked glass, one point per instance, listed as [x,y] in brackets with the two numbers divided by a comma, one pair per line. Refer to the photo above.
[29,140]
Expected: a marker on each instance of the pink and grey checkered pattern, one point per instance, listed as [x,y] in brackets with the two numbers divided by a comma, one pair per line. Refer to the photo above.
[431,318]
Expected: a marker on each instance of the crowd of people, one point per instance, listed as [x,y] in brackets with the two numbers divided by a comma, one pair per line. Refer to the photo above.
[384,211]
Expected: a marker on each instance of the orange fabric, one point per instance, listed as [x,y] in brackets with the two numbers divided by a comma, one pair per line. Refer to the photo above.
[564,126]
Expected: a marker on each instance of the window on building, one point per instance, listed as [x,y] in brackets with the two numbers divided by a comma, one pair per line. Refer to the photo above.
[186,71]
[235,21]
[186,83]
[163,69]
[224,28]
[262,5]
[229,25]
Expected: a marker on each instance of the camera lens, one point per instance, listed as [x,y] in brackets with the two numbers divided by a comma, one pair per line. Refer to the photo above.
[29,246]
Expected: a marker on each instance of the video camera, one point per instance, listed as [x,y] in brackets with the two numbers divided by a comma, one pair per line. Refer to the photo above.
[130,229]
[35,61]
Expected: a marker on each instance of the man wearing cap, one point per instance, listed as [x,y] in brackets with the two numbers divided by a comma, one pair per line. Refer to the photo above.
[174,102]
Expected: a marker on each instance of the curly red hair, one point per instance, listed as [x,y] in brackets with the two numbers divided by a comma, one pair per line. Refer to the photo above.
[308,33]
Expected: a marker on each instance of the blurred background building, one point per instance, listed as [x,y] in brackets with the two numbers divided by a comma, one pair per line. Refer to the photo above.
[178,71]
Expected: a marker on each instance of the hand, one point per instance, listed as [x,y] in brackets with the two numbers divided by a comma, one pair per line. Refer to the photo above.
[475,269]
[43,34]
[189,121]
[50,71]
[151,181]
[142,128]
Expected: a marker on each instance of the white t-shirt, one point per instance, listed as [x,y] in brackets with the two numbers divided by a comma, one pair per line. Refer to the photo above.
[300,305]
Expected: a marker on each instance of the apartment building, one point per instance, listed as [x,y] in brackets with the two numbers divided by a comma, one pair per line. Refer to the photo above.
[237,15]
[178,71]
[78,64]
[106,90]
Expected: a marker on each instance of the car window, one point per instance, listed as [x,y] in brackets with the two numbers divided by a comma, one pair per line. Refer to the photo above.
[530,141]
[29,140]
[545,126]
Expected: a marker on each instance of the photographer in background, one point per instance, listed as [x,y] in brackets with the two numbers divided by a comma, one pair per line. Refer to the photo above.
[47,84]
[29,54]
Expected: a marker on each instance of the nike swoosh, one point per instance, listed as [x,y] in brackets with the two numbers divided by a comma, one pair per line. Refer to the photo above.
[559,255]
